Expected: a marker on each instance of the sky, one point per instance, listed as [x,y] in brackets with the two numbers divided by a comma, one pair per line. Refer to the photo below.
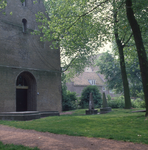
[107,47]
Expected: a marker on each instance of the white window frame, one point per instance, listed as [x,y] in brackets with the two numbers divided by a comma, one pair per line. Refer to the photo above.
[92,82]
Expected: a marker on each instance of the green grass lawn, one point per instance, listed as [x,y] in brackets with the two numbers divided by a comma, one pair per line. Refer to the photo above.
[120,124]
[14,147]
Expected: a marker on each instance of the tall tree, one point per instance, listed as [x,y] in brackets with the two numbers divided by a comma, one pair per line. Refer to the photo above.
[140,49]
[121,55]
[109,66]
[75,28]
[80,27]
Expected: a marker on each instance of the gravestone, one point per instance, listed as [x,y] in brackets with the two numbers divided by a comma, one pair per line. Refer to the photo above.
[91,110]
[105,108]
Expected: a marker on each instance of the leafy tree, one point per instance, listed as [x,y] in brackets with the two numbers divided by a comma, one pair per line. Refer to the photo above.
[81,27]
[109,66]
[80,32]
[85,96]
[119,42]
[135,82]
[75,29]
[139,44]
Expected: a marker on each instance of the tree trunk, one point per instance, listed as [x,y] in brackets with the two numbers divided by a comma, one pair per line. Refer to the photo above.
[124,75]
[122,64]
[140,49]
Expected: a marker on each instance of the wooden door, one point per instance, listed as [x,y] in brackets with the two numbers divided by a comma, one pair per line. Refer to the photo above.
[21,99]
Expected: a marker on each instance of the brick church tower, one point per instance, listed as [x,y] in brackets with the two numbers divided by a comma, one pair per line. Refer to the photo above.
[30,77]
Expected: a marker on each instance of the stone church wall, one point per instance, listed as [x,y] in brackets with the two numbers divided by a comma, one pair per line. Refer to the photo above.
[23,52]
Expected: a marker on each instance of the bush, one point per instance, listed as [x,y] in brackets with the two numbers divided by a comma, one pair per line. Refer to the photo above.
[70,101]
[138,103]
[68,98]
[140,95]
[109,97]
[85,96]
[118,102]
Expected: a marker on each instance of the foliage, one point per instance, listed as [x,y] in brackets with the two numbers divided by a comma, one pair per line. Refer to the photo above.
[138,103]
[109,66]
[118,102]
[74,28]
[140,95]
[141,51]
[64,87]
[3,4]
[15,147]
[122,38]
[69,99]
[120,124]
[85,96]
[109,97]
[81,27]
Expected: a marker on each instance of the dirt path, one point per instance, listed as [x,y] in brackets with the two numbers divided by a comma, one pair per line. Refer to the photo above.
[49,141]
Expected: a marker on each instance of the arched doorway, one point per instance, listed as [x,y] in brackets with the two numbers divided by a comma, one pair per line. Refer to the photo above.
[26,92]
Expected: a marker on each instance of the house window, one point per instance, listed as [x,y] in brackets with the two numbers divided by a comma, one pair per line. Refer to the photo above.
[24,23]
[23,2]
[92,82]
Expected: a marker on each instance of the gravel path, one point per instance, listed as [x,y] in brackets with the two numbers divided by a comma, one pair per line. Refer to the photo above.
[49,141]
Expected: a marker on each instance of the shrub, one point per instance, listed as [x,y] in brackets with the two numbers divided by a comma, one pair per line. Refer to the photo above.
[118,102]
[140,95]
[138,103]
[68,98]
[70,101]
[85,96]
[109,97]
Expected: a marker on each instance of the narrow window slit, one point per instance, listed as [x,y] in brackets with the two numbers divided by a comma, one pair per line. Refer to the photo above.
[23,2]
[24,23]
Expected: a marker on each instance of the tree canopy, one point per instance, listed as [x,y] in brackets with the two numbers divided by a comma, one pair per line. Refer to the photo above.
[77,28]
[108,65]
[81,27]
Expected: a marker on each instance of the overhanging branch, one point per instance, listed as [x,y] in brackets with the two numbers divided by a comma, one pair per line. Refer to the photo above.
[87,13]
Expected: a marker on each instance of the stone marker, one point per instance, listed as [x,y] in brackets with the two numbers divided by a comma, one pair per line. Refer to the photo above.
[105,108]
[91,102]
[91,106]
[104,101]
